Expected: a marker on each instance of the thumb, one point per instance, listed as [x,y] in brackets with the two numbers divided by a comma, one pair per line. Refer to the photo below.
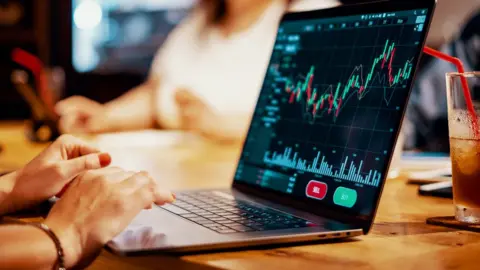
[75,166]
[185,97]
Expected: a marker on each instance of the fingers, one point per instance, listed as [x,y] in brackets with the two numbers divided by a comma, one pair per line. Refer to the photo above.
[69,124]
[64,106]
[74,104]
[185,97]
[79,115]
[147,190]
[73,167]
[81,124]
[190,109]
[74,147]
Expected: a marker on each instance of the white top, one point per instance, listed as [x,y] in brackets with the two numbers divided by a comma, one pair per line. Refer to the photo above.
[225,72]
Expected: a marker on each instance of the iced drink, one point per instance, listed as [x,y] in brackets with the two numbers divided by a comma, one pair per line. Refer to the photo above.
[465,154]
[464,147]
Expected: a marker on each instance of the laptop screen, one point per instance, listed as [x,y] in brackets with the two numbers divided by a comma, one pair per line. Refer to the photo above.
[330,107]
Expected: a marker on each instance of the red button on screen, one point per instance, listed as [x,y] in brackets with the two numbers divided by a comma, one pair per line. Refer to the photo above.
[316,190]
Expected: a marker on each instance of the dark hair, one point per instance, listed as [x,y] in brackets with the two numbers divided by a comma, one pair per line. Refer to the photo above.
[217,10]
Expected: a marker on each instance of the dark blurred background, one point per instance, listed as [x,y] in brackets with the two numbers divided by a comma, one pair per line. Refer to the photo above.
[105,47]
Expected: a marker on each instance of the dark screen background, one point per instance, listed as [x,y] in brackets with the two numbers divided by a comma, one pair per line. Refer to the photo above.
[331,105]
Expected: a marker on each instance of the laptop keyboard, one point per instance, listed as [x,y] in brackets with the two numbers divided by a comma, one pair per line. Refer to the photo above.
[231,216]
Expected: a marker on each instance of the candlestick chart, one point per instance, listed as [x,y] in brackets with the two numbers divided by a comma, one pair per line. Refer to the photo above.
[330,100]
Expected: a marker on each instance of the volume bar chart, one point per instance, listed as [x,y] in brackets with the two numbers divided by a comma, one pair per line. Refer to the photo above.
[320,166]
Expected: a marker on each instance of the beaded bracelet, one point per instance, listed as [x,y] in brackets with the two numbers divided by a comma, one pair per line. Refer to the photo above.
[60,265]
[58,245]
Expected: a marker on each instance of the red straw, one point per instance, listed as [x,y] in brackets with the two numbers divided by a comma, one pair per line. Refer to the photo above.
[466,90]
[35,65]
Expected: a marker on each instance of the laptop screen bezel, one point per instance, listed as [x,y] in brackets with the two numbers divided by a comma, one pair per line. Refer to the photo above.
[330,211]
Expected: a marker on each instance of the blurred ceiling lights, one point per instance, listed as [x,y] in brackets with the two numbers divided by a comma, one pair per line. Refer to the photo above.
[87,15]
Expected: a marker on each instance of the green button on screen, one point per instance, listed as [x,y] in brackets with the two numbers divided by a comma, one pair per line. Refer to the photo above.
[345,197]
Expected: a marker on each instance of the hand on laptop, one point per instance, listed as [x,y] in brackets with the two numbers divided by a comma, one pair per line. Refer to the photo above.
[47,174]
[98,205]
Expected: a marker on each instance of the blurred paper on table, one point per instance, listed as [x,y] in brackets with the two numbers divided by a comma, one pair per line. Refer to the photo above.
[145,138]
[134,150]
[425,161]
[426,167]
[432,176]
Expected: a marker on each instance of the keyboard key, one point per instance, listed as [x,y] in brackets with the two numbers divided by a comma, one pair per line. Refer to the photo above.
[226,214]
[189,215]
[217,211]
[218,219]
[181,205]
[207,223]
[238,218]
[226,231]
[241,228]
[211,209]
[210,225]
[229,208]
[271,222]
[199,219]
[225,222]
[210,216]
[220,227]
[236,212]
[174,209]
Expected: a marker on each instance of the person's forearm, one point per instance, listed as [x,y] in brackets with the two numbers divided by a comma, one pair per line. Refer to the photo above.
[135,109]
[26,247]
[229,127]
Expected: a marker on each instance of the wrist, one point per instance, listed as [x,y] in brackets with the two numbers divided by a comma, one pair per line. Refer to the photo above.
[7,183]
[70,241]
[111,118]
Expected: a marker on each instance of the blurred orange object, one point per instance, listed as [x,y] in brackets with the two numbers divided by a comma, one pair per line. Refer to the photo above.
[35,65]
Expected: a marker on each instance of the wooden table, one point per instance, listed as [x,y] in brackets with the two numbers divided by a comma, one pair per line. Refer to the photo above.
[400,239]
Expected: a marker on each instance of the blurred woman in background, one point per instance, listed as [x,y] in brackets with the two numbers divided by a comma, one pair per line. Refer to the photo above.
[205,79]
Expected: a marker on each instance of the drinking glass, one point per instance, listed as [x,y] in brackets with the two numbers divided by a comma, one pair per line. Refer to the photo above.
[464,145]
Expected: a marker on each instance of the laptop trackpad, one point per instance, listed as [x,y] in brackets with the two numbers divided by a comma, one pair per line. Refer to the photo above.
[155,229]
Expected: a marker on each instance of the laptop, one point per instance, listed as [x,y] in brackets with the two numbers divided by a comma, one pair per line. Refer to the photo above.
[321,138]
